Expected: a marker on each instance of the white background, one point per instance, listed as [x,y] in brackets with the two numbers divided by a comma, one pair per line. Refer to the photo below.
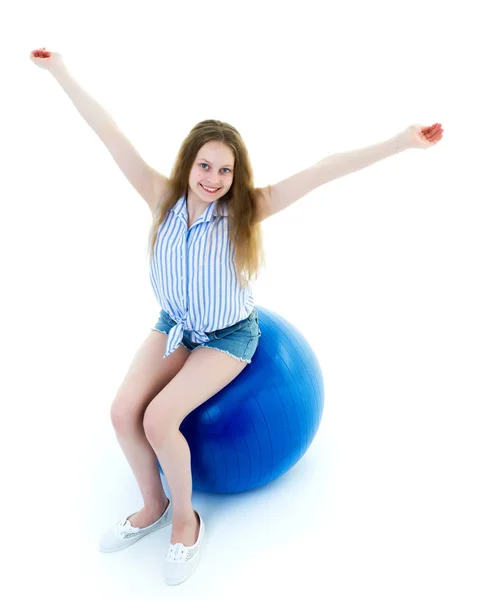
[377,269]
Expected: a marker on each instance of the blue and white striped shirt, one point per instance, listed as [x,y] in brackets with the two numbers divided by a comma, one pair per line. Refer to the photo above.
[193,276]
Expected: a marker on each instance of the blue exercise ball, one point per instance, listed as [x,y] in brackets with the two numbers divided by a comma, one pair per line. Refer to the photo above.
[260,425]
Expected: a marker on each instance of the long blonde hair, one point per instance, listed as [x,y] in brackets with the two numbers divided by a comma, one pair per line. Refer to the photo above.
[244,229]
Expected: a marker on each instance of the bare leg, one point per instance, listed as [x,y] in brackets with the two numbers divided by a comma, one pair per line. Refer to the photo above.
[206,372]
[175,458]
[143,462]
[148,374]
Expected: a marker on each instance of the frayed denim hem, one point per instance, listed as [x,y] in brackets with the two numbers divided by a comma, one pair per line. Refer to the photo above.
[205,346]
[224,351]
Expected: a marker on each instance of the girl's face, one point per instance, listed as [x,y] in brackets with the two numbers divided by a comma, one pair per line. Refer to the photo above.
[212,169]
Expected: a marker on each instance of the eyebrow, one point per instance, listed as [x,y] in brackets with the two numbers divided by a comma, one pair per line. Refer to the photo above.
[207,161]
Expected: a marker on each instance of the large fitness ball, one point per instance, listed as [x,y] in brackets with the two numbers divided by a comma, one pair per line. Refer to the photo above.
[260,425]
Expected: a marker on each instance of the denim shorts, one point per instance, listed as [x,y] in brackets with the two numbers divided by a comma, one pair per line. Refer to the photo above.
[239,340]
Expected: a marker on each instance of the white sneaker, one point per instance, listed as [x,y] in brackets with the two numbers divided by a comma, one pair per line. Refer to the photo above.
[181,561]
[123,534]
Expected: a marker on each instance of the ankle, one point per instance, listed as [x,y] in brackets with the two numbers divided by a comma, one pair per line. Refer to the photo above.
[185,519]
[155,508]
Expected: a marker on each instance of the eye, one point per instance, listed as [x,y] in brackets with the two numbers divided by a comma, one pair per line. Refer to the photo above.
[225,168]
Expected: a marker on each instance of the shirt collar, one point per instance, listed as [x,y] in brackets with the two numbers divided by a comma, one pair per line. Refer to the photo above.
[213,210]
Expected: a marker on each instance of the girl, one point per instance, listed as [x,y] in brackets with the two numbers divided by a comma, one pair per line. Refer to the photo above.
[205,248]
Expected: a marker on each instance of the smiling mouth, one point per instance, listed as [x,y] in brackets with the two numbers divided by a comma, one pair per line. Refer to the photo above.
[211,190]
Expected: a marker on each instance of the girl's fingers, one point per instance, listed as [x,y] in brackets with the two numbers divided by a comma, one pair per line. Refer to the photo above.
[433,131]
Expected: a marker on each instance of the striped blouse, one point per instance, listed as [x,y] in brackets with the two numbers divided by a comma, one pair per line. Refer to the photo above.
[193,276]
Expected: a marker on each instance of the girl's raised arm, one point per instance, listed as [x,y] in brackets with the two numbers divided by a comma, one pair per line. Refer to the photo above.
[150,184]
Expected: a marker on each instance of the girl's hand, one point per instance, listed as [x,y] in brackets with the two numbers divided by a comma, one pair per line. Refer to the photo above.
[420,136]
[45,59]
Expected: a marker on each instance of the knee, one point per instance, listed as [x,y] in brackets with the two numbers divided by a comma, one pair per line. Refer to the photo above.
[157,425]
[122,417]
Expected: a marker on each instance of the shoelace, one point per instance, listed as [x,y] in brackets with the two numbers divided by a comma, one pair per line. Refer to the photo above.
[124,527]
[176,552]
